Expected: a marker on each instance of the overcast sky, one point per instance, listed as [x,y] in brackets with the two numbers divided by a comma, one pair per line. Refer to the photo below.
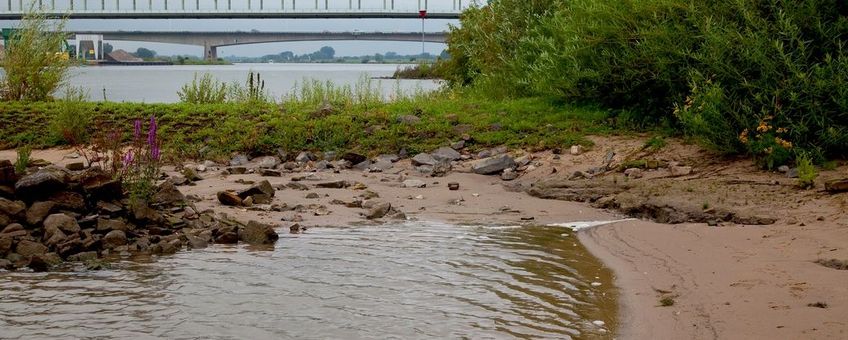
[343,48]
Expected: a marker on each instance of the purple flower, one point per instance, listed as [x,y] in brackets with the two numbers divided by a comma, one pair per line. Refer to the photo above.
[128,158]
[151,133]
[137,134]
[154,152]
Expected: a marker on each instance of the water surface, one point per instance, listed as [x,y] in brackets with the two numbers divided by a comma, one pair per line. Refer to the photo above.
[160,84]
[411,281]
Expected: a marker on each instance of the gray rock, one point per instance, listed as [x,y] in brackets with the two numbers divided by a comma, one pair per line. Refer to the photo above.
[83,257]
[354,158]
[634,173]
[458,145]
[414,183]
[323,165]
[29,248]
[167,193]
[523,160]
[792,173]
[114,239]
[239,160]
[392,158]
[270,173]
[445,154]
[312,195]
[783,169]
[333,185]
[424,159]
[106,225]
[267,162]
[197,242]
[680,170]
[247,202]
[509,174]
[363,166]
[42,183]
[379,210]
[263,187]
[257,233]
[305,157]
[380,166]
[493,165]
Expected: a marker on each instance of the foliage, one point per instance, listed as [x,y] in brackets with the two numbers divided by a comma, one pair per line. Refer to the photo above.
[807,172]
[34,64]
[205,90]
[140,164]
[145,53]
[253,91]
[73,122]
[709,68]
[420,71]
[24,153]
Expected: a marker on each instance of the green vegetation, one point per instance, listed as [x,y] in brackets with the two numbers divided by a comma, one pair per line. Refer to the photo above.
[72,122]
[203,90]
[324,117]
[807,172]
[713,70]
[24,153]
[667,301]
[420,71]
[34,64]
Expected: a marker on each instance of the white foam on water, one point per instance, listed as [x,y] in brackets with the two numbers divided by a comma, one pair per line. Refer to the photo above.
[577,226]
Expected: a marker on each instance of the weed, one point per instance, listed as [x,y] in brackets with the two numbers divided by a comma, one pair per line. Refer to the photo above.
[655,143]
[72,122]
[667,301]
[22,162]
[203,90]
[807,172]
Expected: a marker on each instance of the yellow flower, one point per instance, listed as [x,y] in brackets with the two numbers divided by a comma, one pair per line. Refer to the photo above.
[782,130]
[783,143]
[743,137]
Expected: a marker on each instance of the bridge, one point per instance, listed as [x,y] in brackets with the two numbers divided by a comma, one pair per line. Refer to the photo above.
[243,9]
[212,40]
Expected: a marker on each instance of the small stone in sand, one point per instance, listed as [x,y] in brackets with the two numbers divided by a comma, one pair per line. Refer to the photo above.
[453,186]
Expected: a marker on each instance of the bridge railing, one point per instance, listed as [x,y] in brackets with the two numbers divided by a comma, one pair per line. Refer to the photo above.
[223,6]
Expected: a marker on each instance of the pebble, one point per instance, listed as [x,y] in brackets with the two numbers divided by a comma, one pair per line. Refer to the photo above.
[596,284]
[599,323]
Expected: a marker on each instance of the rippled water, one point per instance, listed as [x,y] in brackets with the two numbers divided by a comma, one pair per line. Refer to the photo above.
[411,281]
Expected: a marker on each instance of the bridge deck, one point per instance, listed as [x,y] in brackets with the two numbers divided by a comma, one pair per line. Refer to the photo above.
[17,15]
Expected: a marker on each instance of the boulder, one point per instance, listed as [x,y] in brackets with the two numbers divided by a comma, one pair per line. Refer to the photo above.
[493,165]
[5,245]
[576,150]
[509,174]
[42,183]
[680,170]
[197,242]
[11,208]
[29,248]
[424,159]
[43,262]
[106,225]
[191,175]
[379,211]
[458,145]
[57,237]
[261,199]
[61,222]
[239,160]
[13,228]
[114,239]
[229,237]
[263,187]
[38,211]
[68,200]
[167,193]
[445,154]
[258,233]
[381,165]
[267,162]
[7,172]
[836,186]
[305,157]
[83,257]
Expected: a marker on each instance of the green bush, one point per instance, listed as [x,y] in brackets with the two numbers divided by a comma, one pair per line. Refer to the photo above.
[711,69]
[203,90]
[22,162]
[73,122]
[34,64]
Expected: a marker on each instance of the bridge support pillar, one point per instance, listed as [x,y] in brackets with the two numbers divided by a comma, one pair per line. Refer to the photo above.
[210,52]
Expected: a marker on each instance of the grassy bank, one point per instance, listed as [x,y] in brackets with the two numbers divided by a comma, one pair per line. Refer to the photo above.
[304,122]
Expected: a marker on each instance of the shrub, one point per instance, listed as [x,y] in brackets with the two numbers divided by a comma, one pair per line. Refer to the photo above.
[807,172]
[33,61]
[73,122]
[140,163]
[205,90]
[252,92]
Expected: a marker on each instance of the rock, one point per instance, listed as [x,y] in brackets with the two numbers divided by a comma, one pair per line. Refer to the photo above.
[263,187]
[196,242]
[792,173]
[576,150]
[509,174]
[363,166]
[227,238]
[677,171]
[783,169]
[171,247]
[168,194]
[634,173]
[414,183]
[29,248]
[100,185]
[267,162]
[453,186]
[141,211]
[239,160]
[380,166]
[38,211]
[296,229]
[388,157]
[836,186]
[408,119]
[229,198]
[261,199]
[83,256]
[297,186]
[42,183]
[57,237]
[354,158]
[270,173]
[753,220]
[114,239]
[75,166]
[258,233]
[12,208]
[43,263]
[69,200]
[106,225]
[237,170]
[61,222]
[305,157]
[247,202]
[5,246]
[379,211]
[523,160]
[493,165]
[445,154]
[191,175]
[424,159]
[458,145]
[7,173]
[312,195]
[333,185]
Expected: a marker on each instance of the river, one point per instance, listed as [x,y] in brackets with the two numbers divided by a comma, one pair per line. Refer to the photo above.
[160,84]
[411,281]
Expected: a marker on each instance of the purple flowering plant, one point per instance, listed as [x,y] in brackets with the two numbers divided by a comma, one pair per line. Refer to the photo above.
[140,163]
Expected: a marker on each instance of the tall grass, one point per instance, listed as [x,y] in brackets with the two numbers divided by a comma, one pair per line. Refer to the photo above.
[34,64]
[203,90]
[73,123]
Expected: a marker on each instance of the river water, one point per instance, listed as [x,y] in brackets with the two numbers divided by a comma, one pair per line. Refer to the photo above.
[411,281]
[160,84]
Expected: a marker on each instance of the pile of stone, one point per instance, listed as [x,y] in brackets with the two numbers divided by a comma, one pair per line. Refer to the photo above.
[54,215]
